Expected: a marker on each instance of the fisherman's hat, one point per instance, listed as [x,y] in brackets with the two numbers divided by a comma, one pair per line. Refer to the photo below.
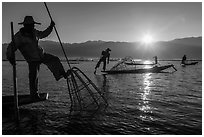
[28,20]
[108,49]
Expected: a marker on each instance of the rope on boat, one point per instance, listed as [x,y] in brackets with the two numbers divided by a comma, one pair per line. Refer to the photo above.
[84,94]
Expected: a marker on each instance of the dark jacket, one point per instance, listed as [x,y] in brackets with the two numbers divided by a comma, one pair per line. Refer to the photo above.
[28,44]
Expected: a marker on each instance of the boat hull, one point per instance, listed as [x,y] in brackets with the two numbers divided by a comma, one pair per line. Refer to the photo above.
[8,101]
[155,69]
[132,63]
[187,64]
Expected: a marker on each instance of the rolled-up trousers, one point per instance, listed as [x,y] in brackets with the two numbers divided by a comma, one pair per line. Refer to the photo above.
[99,62]
[54,65]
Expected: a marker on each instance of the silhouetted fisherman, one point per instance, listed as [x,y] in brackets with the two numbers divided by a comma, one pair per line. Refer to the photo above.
[26,40]
[105,55]
[183,59]
[155,60]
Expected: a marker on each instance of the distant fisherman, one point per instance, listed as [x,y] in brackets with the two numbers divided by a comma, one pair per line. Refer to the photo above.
[183,60]
[105,55]
[26,40]
[155,60]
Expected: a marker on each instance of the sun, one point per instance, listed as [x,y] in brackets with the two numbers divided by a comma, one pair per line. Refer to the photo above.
[147,39]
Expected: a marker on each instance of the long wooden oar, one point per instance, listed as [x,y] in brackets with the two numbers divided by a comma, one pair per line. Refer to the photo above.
[14,77]
[57,35]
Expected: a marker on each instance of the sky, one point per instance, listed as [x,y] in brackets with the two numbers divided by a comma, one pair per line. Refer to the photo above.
[108,21]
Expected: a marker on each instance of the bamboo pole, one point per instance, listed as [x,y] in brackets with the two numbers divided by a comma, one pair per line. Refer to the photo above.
[16,109]
[57,36]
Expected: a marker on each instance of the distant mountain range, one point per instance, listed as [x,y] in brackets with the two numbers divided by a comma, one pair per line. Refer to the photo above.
[175,49]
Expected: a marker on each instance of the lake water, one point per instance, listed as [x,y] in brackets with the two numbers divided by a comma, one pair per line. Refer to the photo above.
[138,104]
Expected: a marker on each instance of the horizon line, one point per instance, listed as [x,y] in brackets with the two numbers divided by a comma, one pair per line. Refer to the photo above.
[116,41]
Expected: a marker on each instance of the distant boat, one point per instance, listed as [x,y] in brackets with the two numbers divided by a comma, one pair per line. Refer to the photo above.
[191,63]
[154,69]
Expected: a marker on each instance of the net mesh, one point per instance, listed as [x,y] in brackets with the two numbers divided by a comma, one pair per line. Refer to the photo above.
[84,95]
[121,64]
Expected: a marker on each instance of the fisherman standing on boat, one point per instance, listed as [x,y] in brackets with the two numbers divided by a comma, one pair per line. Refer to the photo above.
[105,55]
[26,40]
[155,60]
[183,60]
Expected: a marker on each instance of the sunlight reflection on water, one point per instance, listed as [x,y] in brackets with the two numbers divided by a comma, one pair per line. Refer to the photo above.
[145,106]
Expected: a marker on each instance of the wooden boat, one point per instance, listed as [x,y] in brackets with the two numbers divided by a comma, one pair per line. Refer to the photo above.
[154,69]
[8,101]
[191,63]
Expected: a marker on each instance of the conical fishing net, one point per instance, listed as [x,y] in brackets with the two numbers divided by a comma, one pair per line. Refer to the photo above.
[84,95]
[121,64]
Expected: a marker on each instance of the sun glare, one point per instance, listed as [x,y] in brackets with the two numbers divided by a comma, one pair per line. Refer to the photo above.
[147,39]
[147,62]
